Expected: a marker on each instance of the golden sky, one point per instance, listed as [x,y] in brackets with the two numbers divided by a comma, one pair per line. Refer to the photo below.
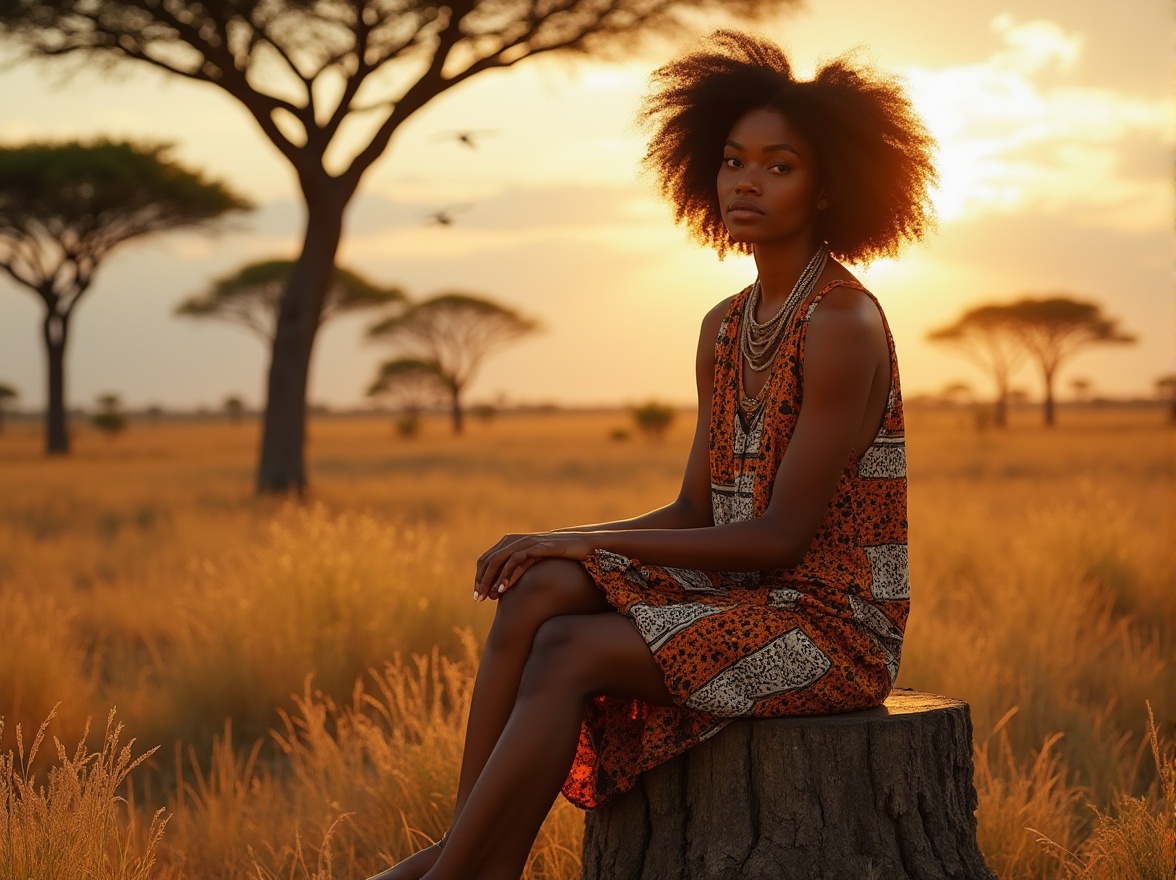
[1055,127]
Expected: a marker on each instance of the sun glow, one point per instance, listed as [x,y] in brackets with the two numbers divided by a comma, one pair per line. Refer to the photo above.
[1014,135]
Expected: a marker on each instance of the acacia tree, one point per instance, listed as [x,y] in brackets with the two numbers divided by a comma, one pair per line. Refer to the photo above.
[65,207]
[110,418]
[303,71]
[451,335]
[1054,329]
[234,408]
[7,393]
[409,385]
[988,337]
[251,297]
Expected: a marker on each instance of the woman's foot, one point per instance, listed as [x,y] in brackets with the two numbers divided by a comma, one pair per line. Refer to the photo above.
[415,866]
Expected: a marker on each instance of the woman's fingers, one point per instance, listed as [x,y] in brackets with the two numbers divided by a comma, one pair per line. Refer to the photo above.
[486,560]
[500,567]
[515,565]
[489,574]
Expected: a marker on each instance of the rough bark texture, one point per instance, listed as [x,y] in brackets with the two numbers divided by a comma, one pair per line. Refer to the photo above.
[884,794]
[282,466]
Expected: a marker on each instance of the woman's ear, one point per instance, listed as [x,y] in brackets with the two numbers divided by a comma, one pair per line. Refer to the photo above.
[822,201]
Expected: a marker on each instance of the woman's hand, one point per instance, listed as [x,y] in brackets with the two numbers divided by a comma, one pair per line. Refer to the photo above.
[500,567]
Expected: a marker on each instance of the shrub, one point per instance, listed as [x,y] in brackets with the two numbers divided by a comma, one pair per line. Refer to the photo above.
[654,419]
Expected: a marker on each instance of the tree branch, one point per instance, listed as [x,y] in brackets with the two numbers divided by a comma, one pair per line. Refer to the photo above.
[430,84]
[31,283]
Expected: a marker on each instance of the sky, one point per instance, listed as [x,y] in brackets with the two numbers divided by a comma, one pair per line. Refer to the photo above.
[1055,128]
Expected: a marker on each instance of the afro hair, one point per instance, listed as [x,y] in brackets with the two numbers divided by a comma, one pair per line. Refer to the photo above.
[874,153]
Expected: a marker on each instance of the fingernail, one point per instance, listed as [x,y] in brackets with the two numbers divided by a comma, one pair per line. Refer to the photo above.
[502,588]
[475,595]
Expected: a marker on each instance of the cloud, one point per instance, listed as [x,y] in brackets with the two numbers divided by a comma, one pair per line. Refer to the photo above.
[1035,46]
[1015,135]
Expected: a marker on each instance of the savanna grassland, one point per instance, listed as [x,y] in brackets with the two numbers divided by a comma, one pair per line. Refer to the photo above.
[302,671]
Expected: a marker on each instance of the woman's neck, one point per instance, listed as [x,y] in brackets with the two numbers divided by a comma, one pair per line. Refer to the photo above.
[779,268]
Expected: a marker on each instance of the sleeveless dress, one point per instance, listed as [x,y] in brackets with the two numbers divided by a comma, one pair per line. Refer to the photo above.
[822,637]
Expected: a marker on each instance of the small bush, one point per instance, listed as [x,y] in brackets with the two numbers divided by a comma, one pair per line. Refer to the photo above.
[654,419]
[408,425]
[484,412]
[110,423]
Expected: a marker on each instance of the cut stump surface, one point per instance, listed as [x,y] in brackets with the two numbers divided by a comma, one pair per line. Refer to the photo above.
[886,794]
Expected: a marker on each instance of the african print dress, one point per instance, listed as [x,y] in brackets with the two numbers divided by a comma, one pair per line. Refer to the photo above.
[822,637]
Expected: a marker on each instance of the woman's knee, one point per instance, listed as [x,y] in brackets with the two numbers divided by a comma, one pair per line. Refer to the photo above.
[549,588]
[558,579]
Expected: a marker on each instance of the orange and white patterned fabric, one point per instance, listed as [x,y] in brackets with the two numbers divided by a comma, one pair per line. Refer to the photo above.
[823,637]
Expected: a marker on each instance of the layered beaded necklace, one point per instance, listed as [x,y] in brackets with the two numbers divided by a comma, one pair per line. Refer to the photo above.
[758,342]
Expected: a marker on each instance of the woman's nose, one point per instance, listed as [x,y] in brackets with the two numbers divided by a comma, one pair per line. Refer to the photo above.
[746,184]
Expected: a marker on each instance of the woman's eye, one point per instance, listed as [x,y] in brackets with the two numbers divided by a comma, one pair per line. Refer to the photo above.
[730,162]
[781,168]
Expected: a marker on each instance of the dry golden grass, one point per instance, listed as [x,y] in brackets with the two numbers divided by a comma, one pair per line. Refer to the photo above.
[142,573]
[74,823]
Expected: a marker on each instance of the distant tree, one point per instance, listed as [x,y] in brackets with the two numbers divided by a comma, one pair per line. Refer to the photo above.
[1056,328]
[653,419]
[252,297]
[234,408]
[956,392]
[7,393]
[409,385]
[484,412]
[451,334]
[1081,387]
[65,207]
[307,71]
[1166,389]
[110,419]
[987,336]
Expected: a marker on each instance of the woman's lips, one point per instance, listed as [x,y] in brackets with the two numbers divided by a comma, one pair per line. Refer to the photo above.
[742,209]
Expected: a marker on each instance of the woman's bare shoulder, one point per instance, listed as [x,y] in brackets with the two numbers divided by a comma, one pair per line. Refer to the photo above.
[714,318]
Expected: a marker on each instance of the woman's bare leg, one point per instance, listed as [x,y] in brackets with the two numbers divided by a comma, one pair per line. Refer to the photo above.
[572,659]
[548,589]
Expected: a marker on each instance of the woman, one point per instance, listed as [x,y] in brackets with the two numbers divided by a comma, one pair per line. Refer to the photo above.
[776,582]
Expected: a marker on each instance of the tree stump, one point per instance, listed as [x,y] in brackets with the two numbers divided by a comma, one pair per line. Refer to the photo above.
[886,794]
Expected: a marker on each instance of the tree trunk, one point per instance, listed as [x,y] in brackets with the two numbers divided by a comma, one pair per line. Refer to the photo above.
[886,793]
[55,330]
[455,411]
[1000,411]
[1049,400]
[282,466]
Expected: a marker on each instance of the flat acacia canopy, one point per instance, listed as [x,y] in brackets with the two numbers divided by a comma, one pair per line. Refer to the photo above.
[251,296]
[65,206]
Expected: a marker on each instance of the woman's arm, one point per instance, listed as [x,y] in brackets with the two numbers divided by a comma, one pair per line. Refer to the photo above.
[692,508]
[840,365]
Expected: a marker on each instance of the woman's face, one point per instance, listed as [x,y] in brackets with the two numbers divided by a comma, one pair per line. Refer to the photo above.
[768,185]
